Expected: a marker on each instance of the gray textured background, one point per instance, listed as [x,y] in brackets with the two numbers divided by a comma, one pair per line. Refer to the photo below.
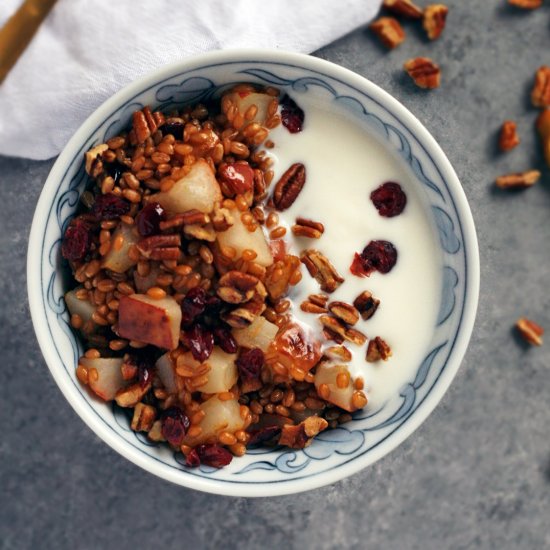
[475,475]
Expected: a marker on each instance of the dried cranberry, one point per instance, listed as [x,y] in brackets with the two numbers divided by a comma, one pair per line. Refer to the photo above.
[174,128]
[224,339]
[175,424]
[200,342]
[193,460]
[389,199]
[109,207]
[76,240]
[115,169]
[263,435]
[213,455]
[148,220]
[250,364]
[145,374]
[291,115]
[193,304]
[239,177]
[377,256]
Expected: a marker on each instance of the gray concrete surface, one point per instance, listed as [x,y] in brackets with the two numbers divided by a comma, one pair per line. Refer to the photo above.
[475,475]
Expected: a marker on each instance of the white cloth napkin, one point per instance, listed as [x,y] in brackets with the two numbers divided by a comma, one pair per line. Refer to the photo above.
[85,51]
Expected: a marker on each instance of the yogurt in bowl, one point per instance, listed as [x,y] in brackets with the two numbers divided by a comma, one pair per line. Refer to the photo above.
[436,272]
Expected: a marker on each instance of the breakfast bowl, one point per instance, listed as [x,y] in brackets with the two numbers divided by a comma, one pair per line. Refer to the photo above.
[355,139]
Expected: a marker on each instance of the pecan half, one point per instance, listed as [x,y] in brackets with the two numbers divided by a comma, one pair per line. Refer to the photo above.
[508,138]
[366,304]
[526,4]
[289,186]
[145,123]
[308,228]
[518,181]
[543,127]
[93,164]
[191,217]
[389,31]
[345,312]
[144,417]
[300,436]
[222,219]
[540,96]
[132,395]
[160,247]
[530,331]
[201,232]
[336,326]
[425,73]
[405,8]
[278,275]
[244,315]
[236,287]
[321,270]
[378,349]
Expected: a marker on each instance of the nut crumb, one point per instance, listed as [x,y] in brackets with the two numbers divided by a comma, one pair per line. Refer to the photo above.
[404,8]
[389,31]
[518,181]
[435,16]
[526,4]
[378,349]
[321,270]
[345,312]
[366,304]
[336,326]
[530,331]
[508,138]
[543,128]
[540,95]
[300,436]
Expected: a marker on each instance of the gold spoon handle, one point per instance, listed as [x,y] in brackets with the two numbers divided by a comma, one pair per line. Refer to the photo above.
[19,30]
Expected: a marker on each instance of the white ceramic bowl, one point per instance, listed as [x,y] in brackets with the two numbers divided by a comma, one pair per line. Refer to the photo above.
[335,454]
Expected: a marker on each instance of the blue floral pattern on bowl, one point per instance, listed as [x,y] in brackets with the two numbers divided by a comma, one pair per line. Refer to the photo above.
[371,433]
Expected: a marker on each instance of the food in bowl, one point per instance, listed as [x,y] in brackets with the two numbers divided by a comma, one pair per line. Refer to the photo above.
[202,313]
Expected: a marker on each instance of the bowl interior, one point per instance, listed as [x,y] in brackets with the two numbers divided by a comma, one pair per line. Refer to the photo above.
[372,433]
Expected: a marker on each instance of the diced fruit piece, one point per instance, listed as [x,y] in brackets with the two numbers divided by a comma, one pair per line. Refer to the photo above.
[223,371]
[156,322]
[143,284]
[104,376]
[244,100]
[83,308]
[219,416]
[166,372]
[198,190]
[117,259]
[327,373]
[240,238]
[296,348]
[259,334]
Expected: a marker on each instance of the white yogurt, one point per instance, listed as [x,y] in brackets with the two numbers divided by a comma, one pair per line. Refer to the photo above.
[344,163]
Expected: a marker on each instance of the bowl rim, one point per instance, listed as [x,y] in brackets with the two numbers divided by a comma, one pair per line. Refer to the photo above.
[35,284]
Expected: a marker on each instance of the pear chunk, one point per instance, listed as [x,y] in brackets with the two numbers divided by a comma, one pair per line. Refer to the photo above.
[109,378]
[240,238]
[198,190]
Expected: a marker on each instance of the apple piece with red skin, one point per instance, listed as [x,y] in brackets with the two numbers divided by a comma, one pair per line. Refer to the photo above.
[240,238]
[155,322]
[109,378]
[327,373]
[198,190]
[117,260]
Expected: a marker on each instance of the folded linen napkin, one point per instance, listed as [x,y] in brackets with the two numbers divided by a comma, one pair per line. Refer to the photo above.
[85,51]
